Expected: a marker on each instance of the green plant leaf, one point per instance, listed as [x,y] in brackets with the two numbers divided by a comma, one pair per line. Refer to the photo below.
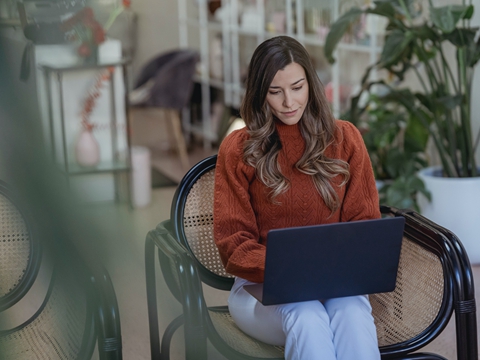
[462,37]
[383,8]
[338,29]
[447,17]
[466,38]
[412,6]
[473,53]
[396,45]
[449,102]
[425,32]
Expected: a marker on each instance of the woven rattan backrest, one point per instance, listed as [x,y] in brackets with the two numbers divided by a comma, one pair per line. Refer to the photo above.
[406,312]
[57,330]
[15,247]
[198,224]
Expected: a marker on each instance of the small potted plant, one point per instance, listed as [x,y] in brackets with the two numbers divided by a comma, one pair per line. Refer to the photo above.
[417,44]
[83,29]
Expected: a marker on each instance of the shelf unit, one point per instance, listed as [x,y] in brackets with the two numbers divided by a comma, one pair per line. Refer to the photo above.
[59,130]
[243,24]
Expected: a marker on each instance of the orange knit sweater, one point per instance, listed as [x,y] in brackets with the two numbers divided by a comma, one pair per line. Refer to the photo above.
[243,213]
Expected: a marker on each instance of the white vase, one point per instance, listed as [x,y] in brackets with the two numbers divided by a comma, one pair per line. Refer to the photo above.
[455,205]
[87,150]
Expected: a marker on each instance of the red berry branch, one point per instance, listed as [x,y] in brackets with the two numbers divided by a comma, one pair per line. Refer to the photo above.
[92,96]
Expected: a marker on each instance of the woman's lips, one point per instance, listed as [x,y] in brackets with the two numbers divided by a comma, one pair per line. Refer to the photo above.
[290,113]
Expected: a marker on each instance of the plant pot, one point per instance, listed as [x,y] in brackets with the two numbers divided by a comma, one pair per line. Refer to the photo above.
[87,150]
[455,206]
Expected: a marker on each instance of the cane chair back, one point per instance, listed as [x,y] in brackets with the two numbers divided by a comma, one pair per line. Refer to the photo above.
[19,251]
[406,319]
[62,328]
[420,280]
[68,310]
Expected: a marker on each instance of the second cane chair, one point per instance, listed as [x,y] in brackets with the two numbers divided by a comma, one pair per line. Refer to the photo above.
[434,280]
[77,308]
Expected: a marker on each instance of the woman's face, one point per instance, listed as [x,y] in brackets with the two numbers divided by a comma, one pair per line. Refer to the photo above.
[288,94]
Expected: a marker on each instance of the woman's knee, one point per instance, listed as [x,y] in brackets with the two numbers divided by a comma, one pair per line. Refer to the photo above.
[305,314]
[349,308]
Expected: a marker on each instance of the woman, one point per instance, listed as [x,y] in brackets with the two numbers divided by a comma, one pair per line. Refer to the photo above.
[292,165]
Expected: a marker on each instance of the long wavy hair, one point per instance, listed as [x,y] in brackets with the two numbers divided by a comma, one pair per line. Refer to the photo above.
[317,125]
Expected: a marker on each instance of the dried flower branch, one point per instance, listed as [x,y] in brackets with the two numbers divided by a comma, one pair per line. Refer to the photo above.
[92,96]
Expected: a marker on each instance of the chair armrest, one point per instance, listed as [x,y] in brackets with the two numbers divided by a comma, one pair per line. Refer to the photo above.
[107,316]
[178,265]
[191,291]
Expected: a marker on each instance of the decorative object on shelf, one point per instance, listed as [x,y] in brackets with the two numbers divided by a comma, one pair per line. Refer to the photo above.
[442,105]
[83,29]
[213,6]
[216,58]
[87,149]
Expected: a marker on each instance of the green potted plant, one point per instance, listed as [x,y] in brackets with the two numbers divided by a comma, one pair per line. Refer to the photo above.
[396,145]
[419,44]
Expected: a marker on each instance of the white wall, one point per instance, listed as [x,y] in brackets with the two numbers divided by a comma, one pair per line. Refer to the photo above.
[157,29]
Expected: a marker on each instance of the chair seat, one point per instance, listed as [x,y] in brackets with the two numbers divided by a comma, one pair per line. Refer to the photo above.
[238,340]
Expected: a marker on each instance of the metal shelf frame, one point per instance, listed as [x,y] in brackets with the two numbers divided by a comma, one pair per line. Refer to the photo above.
[115,165]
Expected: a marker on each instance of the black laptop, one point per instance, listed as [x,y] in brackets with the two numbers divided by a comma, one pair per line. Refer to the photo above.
[330,261]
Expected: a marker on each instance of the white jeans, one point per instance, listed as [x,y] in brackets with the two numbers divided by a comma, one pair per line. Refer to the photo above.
[334,329]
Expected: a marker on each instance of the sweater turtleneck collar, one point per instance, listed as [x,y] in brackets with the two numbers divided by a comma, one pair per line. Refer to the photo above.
[287,130]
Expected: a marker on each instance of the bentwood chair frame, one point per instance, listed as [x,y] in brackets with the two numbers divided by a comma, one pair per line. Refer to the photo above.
[79,310]
[434,280]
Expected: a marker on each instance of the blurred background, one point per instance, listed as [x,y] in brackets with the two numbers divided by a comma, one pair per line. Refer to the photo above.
[106,104]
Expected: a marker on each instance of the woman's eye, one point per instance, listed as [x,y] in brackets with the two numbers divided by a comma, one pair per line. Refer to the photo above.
[297,88]
[274,92]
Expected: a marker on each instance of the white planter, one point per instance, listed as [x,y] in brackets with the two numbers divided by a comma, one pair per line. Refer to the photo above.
[455,205]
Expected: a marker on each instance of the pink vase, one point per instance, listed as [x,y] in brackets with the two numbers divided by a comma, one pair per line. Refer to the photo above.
[87,150]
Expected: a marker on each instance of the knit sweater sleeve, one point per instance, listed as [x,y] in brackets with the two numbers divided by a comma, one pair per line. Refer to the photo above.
[235,228]
[361,196]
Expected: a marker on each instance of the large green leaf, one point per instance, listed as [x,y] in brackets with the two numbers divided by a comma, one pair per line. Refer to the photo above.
[473,53]
[425,32]
[466,38]
[416,136]
[395,47]
[338,29]
[462,37]
[412,6]
[383,8]
[447,17]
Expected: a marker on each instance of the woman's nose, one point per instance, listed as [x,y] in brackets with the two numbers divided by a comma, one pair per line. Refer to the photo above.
[287,100]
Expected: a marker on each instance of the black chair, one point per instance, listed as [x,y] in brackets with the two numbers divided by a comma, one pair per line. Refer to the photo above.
[78,308]
[434,280]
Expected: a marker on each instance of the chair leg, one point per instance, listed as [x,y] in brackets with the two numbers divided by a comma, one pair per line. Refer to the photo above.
[174,117]
[152,299]
[167,336]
